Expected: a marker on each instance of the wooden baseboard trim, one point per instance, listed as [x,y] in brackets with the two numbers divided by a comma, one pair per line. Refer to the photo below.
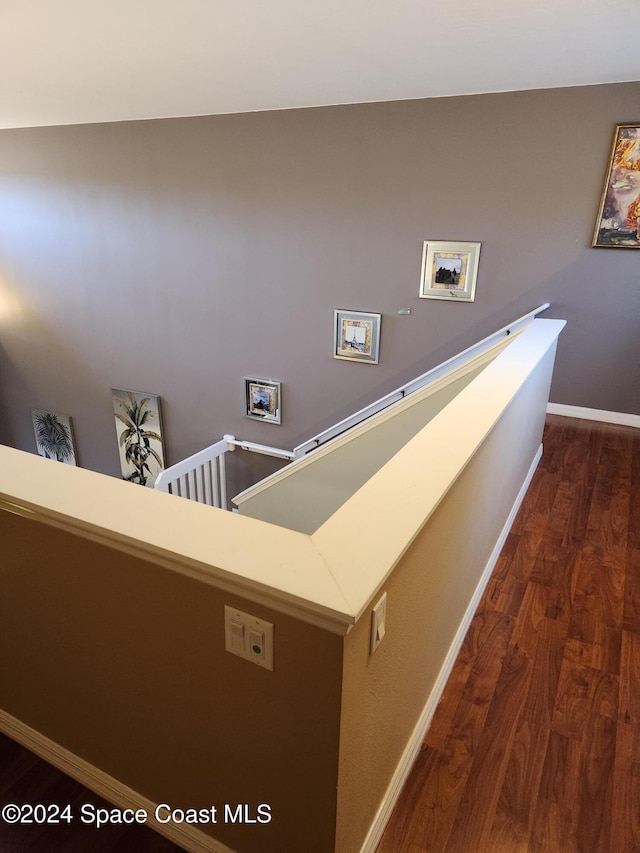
[186,836]
[413,746]
[622,418]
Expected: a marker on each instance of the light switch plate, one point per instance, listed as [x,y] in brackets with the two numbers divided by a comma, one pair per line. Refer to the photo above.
[248,637]
[378,623]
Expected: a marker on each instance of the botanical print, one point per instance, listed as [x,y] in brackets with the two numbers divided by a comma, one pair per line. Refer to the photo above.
[619,215]
[54,437]
[139,431]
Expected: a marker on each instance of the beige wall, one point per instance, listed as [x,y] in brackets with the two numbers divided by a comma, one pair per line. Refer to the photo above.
[122,662]
[178,256]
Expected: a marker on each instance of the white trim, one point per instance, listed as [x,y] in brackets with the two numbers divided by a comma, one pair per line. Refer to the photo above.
[331,613]
[185,835]
[413,746]
[623,418]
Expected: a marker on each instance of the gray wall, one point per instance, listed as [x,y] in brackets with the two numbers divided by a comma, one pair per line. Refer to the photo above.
[177,256]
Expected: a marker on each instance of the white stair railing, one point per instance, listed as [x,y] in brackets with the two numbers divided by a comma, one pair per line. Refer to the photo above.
[201,477]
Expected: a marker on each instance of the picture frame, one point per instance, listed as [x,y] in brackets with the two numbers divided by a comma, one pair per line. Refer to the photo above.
[54,436]
[449,270]
[263,400]
[139,432]
[618,220]
[356,336]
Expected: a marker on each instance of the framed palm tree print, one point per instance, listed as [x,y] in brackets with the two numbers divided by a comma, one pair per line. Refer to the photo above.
[54,436]
[139,432]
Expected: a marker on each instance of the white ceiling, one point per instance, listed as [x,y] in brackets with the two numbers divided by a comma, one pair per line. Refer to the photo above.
[76,61]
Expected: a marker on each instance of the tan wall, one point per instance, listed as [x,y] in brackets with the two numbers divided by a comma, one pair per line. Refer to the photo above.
[428,593]
[123,663]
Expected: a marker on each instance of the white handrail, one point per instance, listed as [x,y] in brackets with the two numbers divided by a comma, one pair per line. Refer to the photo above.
[264,449]
[415,384]
[202,476]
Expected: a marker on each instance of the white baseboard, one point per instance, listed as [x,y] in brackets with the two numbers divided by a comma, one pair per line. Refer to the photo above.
[413,747]
[622,418]
[185,835]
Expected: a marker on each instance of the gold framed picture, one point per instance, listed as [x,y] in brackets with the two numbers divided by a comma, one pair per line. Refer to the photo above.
[618,221]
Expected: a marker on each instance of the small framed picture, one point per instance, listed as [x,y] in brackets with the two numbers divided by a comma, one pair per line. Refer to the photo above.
[263,400]
[356,336]
[449,270]
[54,436]
[618,222]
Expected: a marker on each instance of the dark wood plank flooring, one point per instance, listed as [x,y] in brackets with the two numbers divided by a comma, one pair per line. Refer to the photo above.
[535,745]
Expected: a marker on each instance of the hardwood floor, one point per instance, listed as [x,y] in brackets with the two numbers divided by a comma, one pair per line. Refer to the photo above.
[535,746]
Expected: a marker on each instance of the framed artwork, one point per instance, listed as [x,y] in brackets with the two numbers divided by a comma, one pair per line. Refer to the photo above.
[263,399]
[54,436]
[449,270]
[356,336]
[618,222]
[139,433]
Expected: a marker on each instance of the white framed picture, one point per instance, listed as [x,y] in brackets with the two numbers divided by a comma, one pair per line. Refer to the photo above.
[356,336]
[263,400]
[449,270]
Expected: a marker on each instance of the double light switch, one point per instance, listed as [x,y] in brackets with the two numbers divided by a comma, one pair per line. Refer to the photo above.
[248,637]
